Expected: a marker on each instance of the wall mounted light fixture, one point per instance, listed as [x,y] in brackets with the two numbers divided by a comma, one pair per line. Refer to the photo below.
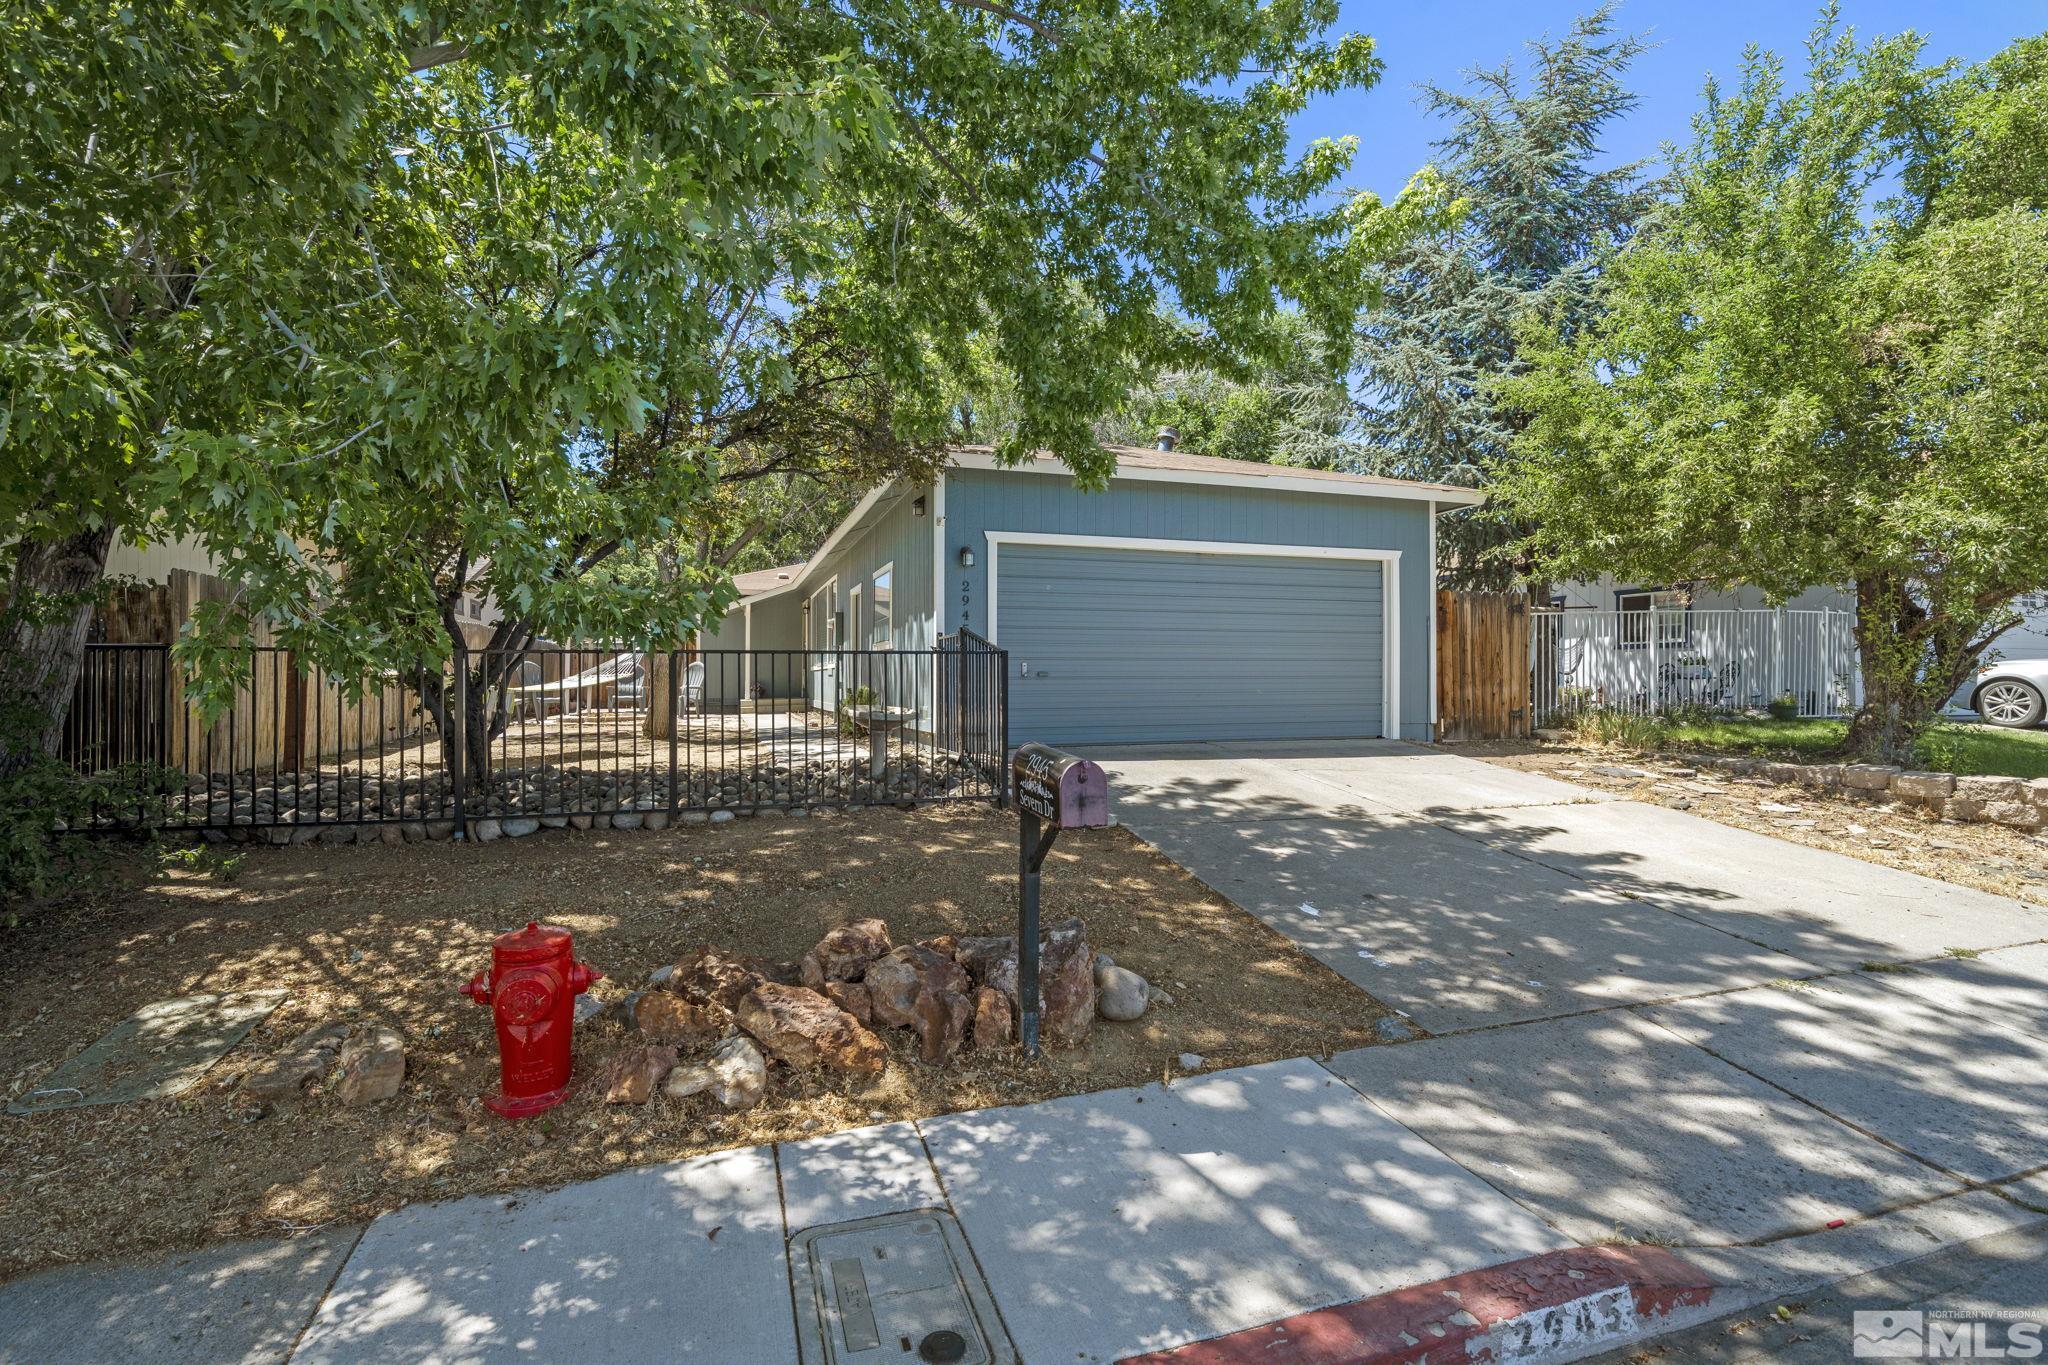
[917,507]
[966,557]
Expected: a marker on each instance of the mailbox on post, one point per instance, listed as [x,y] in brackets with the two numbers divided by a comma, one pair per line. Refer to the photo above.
[1053,791]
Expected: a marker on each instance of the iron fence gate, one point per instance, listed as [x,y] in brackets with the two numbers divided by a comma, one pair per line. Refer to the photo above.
[556,735]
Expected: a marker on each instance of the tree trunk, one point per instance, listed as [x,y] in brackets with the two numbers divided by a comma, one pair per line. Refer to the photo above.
[55,586]
[1913,660]
[659,686]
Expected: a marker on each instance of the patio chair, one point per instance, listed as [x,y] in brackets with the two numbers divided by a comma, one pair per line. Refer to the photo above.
[693,686]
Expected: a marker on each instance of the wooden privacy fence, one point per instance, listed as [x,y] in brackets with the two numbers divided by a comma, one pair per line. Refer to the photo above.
[1482,678]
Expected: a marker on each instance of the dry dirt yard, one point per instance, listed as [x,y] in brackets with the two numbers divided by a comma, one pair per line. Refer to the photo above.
[1992,858]
[387,935]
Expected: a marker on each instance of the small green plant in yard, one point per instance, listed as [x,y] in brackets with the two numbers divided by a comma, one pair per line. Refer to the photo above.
[46,810]
[1784,706]
[849,728]
[208,861]
[1618,730]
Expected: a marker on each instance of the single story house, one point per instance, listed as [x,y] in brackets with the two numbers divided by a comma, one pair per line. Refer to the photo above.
[1193,599]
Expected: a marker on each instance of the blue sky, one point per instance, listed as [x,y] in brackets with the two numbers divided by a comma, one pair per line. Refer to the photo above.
[1437,39]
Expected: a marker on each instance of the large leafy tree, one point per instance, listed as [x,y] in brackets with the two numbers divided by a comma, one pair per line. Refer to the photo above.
[389,302]
[1536,207]
[1288,406]
[1826,362]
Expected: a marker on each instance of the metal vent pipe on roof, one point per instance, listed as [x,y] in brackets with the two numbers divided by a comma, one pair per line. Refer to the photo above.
[1167,437]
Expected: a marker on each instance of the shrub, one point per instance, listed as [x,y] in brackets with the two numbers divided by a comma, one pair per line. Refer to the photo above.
[1784,706]
[1618,729]
[48,815]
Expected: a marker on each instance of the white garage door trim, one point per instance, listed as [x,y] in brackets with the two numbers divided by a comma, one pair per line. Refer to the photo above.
[1390,595]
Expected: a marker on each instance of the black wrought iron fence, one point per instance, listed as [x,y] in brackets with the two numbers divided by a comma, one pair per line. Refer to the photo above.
[570,735]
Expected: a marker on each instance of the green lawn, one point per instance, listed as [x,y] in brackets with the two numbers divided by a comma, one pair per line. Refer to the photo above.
[1948,747]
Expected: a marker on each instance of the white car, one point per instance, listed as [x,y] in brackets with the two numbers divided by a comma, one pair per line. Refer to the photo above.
[2012,692]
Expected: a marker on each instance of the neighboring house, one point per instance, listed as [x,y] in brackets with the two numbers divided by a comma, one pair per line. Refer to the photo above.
[1193,599]
[1694,620]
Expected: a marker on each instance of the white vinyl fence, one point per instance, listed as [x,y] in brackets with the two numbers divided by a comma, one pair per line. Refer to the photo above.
[1668,656]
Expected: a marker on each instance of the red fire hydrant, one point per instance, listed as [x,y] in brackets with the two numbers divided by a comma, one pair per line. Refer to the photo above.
[532,988]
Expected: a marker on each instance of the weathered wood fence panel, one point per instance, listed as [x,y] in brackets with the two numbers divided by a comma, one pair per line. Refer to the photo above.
[1482,666]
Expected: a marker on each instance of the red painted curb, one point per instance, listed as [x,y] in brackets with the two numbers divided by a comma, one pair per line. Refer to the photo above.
[1527,1310]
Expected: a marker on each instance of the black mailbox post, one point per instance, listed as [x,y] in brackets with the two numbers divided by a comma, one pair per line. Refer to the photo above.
[1053,791]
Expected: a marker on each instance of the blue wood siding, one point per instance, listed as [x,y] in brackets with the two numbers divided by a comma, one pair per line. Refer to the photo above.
[978,501]
[1188,645]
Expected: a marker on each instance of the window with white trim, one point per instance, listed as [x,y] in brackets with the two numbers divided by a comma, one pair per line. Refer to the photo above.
[1674,613]
[882,607]
[821,625]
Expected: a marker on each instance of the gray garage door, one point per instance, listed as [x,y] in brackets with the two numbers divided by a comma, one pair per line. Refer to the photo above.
[1134,645]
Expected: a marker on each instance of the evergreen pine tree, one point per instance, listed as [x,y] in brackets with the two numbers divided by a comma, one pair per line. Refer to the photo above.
[1522,156]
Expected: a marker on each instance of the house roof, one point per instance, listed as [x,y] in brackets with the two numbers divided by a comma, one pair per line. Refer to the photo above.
[1185,462]
[1137,462]
[766,580]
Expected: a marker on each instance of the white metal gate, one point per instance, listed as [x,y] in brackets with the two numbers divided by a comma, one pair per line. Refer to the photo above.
[1663,657]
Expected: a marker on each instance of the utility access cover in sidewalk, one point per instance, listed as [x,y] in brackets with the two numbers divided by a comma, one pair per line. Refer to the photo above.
[900,1287]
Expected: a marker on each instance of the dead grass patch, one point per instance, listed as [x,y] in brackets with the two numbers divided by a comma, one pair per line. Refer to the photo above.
[387,935]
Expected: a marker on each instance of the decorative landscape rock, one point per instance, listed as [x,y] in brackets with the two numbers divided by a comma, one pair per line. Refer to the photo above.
[1066,987]
[894,982]
[1868,777]
[632,1075]
[846,952]
[853,997]
[994,1026]
[981,955]
[2010,801]
[1121,995]
[709,975]
[371,1066]
[942,1019]
[736,1075]
[802,1029]
[663,1017]
[339,807]
[298,1064]
[1929,787]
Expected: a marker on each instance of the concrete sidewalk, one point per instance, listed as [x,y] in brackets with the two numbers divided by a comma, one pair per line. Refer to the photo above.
[1220,1209]
[1106,1225]
[1649,1028]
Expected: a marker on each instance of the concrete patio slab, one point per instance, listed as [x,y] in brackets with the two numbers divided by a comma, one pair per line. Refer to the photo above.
[1608,1124]
[1454,933]
[1134,1220]
[856,1174]
[679,1261]
[158,1051]
[1956,1087]
[239,1304]
[1821,906]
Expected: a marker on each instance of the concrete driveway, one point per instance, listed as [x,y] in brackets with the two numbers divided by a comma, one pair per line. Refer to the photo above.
[1471,895]
[1648,1023]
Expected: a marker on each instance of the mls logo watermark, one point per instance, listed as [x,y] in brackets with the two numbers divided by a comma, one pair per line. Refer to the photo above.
[1905,1334]
[1890,1336]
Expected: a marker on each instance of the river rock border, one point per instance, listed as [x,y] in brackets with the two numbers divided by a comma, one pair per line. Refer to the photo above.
[517,802]
[2015,802]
